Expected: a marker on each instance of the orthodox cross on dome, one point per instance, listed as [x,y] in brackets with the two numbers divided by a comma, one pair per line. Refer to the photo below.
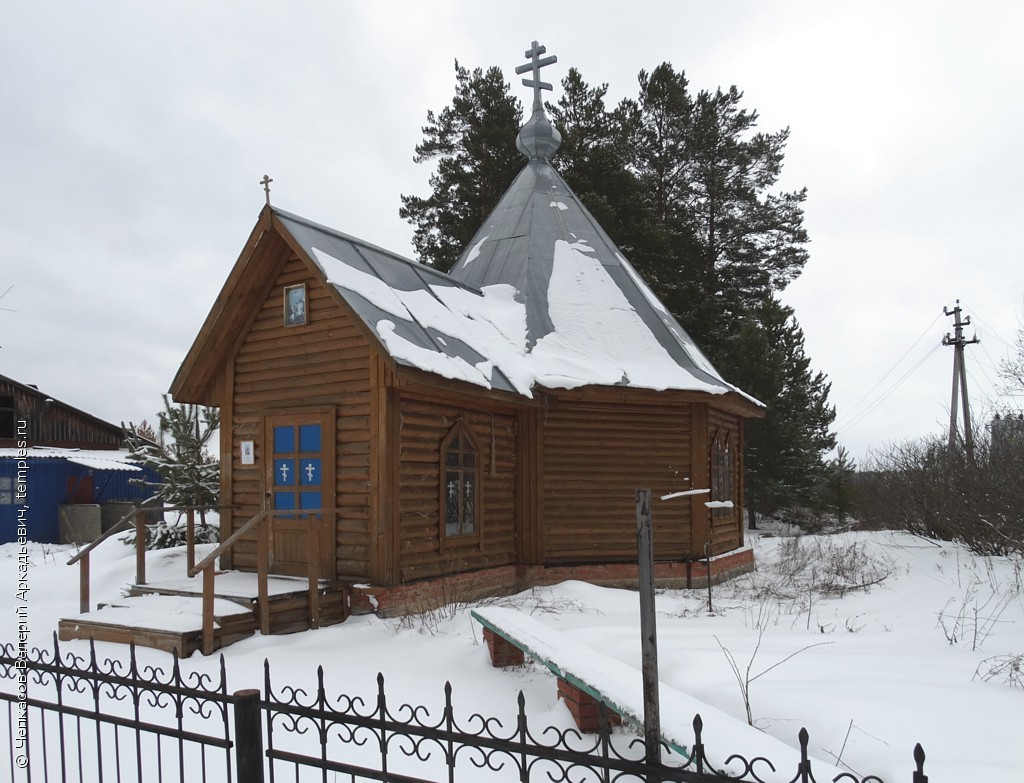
[265,182]
[536,63]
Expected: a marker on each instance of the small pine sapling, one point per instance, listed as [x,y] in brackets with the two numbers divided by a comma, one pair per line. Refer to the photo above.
[189,475]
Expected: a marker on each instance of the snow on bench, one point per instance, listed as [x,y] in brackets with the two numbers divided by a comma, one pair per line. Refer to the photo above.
[601,679]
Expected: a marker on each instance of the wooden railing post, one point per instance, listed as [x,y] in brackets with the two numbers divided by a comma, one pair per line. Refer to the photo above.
[313,569]
[140,548]
[208,640]
[83,584]
[190,539]
[262,568]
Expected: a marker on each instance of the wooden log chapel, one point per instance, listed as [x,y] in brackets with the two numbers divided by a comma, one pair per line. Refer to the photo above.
[476,432]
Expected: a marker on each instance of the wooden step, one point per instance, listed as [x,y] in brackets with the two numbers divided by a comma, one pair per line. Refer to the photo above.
[238,586]
[165,622]
[168,615]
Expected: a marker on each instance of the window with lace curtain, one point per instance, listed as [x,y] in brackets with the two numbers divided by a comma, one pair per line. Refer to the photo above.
[723,472]
[460,482]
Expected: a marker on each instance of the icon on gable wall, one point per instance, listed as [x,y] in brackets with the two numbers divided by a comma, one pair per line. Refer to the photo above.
[295,305]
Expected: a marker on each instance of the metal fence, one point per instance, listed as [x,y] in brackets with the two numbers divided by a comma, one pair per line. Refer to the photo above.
[73,718]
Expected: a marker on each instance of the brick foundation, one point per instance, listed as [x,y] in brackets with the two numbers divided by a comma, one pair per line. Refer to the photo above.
[502,653]
[585,709]
[504,580]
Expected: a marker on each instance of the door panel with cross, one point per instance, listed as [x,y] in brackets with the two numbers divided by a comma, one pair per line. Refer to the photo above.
[299,477]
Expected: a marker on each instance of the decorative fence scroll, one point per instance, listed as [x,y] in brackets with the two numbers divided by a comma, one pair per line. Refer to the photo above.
[72,718]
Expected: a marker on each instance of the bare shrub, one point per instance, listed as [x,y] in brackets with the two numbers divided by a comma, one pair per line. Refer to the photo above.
[829,565]
[806,569]
[971,617]
[745,678]
[1007,669]
[929,489]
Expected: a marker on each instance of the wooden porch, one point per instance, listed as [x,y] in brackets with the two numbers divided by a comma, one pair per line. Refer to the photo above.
[207,609]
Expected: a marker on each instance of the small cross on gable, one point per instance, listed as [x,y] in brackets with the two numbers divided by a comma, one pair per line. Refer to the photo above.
[536,63]
[265,182]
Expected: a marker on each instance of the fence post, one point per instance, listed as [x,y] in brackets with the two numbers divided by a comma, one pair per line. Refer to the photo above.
[248,736]
[648,629]
[919,776]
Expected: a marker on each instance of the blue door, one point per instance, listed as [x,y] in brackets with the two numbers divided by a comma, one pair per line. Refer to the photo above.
[300,480]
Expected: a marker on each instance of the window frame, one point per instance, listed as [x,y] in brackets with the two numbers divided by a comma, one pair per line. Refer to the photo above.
[724,472]
[467,445]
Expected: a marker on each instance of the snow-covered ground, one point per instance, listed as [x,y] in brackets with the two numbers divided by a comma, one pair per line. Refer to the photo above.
[868,671]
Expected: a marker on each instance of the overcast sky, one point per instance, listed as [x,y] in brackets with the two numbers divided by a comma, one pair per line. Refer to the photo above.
[133,137]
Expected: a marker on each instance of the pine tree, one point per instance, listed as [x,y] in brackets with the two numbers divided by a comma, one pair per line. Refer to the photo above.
[474,143]
[189,475]
[839,493]
[594,159]
[726,239]
[784,451]
[686,187]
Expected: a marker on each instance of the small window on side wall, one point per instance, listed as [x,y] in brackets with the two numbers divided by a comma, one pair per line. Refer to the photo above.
[723,473]
[460,484]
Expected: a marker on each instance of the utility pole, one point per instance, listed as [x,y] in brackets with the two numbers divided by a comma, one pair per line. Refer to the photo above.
[959,377]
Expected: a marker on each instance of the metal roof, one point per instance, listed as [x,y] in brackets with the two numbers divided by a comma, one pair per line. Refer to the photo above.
[97,459]
[540,297]
[401,276]
[516,246]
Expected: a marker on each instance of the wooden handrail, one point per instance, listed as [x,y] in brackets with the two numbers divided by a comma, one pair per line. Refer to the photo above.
[206,568]
[231,540]
[228,542]
[206,565]
[118,526]
[82,556]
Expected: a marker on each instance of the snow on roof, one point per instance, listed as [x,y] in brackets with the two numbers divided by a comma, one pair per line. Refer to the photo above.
[590,331]
[98,459]
[580,293]
[541,296]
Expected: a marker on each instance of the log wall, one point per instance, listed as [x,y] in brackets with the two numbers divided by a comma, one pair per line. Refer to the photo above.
[595,457]
[323,363]
[423,551]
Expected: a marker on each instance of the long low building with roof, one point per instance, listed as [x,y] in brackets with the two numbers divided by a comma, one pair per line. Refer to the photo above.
[64,476]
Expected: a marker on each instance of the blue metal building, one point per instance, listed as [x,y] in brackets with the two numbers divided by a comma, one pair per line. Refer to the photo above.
[53,454]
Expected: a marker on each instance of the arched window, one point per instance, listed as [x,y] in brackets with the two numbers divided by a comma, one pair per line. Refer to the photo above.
[460,483]
[723,472]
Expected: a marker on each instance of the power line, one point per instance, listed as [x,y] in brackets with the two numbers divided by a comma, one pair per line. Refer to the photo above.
[852,411]
[990,330]
[849,423]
